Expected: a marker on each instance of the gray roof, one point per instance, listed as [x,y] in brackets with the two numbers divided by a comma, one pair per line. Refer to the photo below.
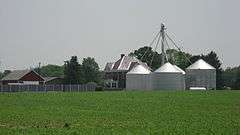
[16,75]
[109,66]
[200,64]
[139,69]
[167,68]
[47,79]
[125,63]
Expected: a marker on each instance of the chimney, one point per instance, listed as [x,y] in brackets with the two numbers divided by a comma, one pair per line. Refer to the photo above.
[122,55]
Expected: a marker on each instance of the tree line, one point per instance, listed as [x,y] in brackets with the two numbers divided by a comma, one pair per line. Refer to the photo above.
[74,72]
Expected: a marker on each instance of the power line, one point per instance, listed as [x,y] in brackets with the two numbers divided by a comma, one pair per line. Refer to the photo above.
[150,45]
[155,49]
[179,49]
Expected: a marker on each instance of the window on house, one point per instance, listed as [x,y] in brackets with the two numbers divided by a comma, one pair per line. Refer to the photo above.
[114,85]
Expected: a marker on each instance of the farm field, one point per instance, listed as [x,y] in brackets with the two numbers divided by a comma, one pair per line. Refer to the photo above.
[154,112]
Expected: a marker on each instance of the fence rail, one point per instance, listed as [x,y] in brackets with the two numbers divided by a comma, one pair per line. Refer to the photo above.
[46,88]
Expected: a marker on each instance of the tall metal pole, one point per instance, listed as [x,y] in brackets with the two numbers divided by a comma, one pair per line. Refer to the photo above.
[163,48]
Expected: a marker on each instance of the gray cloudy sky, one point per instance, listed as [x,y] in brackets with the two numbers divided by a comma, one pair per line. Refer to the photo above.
[50,31]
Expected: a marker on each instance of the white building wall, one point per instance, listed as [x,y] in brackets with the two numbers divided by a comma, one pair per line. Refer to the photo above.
[30,82]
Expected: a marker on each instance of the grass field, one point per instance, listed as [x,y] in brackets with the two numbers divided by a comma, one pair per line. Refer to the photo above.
[195,112]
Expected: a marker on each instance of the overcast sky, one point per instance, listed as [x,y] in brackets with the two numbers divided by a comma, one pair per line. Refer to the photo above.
[50,31]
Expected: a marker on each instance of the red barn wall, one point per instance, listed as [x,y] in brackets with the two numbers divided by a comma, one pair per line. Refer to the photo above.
[31,76]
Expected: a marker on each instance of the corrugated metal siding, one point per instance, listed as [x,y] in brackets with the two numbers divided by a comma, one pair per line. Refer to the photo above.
[201,78]
[168,81]
[138,82]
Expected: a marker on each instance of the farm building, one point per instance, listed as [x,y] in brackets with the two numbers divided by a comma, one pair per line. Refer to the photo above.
[17,77]
[168,77]
[138,78]
[201,74]
[115,73]
[53,80]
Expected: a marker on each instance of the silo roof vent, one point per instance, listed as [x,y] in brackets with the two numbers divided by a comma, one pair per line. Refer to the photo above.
[139,69]
[200,64]
[168,68]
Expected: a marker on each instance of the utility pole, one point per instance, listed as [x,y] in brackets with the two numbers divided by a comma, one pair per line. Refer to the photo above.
[162,31]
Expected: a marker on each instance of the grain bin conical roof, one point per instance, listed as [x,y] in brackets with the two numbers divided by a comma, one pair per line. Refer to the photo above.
[183,72]
[139,69]
[167,68]
[200,64]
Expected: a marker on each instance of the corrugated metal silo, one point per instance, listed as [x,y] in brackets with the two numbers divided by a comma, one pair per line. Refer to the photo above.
[168,77]
[138,78]
[201,74]
[184,76]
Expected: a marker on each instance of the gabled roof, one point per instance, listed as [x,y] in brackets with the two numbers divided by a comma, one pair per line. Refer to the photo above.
[125,63]
[47,79]
[109,66]
[139,69]
[200,64]
[167,68]
[17,75]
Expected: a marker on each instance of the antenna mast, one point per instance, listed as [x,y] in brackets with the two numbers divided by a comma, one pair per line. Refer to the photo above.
[162,31]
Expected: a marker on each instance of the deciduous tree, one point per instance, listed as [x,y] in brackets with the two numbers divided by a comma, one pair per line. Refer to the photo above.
[72,71]
[90,70]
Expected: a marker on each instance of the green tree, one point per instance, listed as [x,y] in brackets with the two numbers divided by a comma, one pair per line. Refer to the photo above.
[181,59]
[6,72]
[213,60]
[52,71]
[90,70]
[1,75]
[146,54]
[229,76]
[237,81]
[194,58]
[72,71]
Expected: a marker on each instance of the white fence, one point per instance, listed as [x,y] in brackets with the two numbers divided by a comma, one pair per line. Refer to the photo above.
[45,88]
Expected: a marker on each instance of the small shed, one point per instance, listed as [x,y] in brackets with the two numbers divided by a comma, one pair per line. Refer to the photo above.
[138,78]
[201,74]
[168,77]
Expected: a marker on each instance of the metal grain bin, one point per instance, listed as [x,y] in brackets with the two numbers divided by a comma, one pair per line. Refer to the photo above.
[138,78]
[201,74]
[168,77]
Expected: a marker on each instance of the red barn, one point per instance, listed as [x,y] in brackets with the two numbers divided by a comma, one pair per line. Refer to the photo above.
[17,77]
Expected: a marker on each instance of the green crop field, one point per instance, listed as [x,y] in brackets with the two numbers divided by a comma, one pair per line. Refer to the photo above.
[154,112]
